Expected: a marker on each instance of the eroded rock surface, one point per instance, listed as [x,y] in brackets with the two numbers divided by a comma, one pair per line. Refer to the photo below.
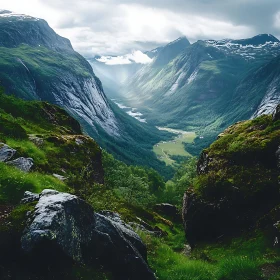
[6,152]
[69,225]
[24,164]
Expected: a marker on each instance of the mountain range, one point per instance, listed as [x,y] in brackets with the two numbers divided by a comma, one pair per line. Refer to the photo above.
[205,86]
[38,64]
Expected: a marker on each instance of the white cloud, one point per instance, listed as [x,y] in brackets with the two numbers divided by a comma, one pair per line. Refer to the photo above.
[136,56]
[114,27]
[277,20]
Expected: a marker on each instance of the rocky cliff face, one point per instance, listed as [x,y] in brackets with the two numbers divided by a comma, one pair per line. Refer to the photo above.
[39,64]
[63,231]
[208,85]
[17,29]
[237,183]
[267,80]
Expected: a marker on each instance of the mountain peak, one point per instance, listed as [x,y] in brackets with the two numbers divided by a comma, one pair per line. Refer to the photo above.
[2,12]
[170,51]
[181,40]
[260,39]
[31,31]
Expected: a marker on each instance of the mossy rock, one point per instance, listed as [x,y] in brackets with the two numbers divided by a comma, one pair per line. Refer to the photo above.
[238,180]
[12,129]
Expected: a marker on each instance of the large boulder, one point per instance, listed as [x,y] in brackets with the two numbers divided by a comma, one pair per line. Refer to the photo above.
[168,210]
[6,152]
[63,224]
[237,182]
[23,164]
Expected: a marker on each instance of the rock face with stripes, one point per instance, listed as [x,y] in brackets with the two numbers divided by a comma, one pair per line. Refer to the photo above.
[40,64]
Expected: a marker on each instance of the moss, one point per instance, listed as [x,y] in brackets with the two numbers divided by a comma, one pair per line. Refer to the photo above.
[18,215]
[11,129]
[243,160]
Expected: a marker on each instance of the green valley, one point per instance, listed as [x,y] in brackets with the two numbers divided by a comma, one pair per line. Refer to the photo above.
[167,151]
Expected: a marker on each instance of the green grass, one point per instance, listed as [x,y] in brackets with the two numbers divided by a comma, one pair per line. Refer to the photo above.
[13,183]
[241,268]
[170,265]
[241,258]
[166,150]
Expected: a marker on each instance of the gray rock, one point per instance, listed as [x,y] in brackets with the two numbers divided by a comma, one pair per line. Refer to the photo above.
[168,210]
[6,152]
[79,141]
[29,197]
[24,164]
[124,229]
[154,231]
[276,113]
[69,224]
[129,252]
[203,163]
[187,250]
[36,140]
[62,218]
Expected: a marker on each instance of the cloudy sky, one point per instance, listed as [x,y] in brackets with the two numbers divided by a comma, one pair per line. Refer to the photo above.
[121,26]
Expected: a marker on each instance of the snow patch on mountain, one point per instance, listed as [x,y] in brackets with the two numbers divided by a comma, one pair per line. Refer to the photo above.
[7,14]
[247,51]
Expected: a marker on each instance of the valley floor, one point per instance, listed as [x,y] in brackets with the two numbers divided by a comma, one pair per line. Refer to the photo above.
[171,151]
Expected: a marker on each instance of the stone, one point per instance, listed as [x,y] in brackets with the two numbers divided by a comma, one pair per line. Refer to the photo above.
[60,177]
[168,210]
[63,224]
[36,140]
[62,218]
[6,152]
[29,197]
[129,253]
[276,113]
[187,250]
[24,164]
[79,141]
[203,163]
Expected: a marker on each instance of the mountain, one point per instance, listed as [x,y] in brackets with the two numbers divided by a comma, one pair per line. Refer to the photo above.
[116,71]
[52,181]
[265,85]
[38,64]
[200,87]
[113,75]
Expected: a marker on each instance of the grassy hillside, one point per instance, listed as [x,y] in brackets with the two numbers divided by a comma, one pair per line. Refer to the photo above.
[241,157]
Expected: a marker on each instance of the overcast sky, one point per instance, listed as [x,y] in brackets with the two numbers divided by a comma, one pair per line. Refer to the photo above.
[120,26]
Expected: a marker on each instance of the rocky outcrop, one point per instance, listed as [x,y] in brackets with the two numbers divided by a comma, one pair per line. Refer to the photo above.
[237,182]
[6,152]
[29,197]
[36,140]
[69,226]
[203,162]
[23,164]
[276,113]
[168,210]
